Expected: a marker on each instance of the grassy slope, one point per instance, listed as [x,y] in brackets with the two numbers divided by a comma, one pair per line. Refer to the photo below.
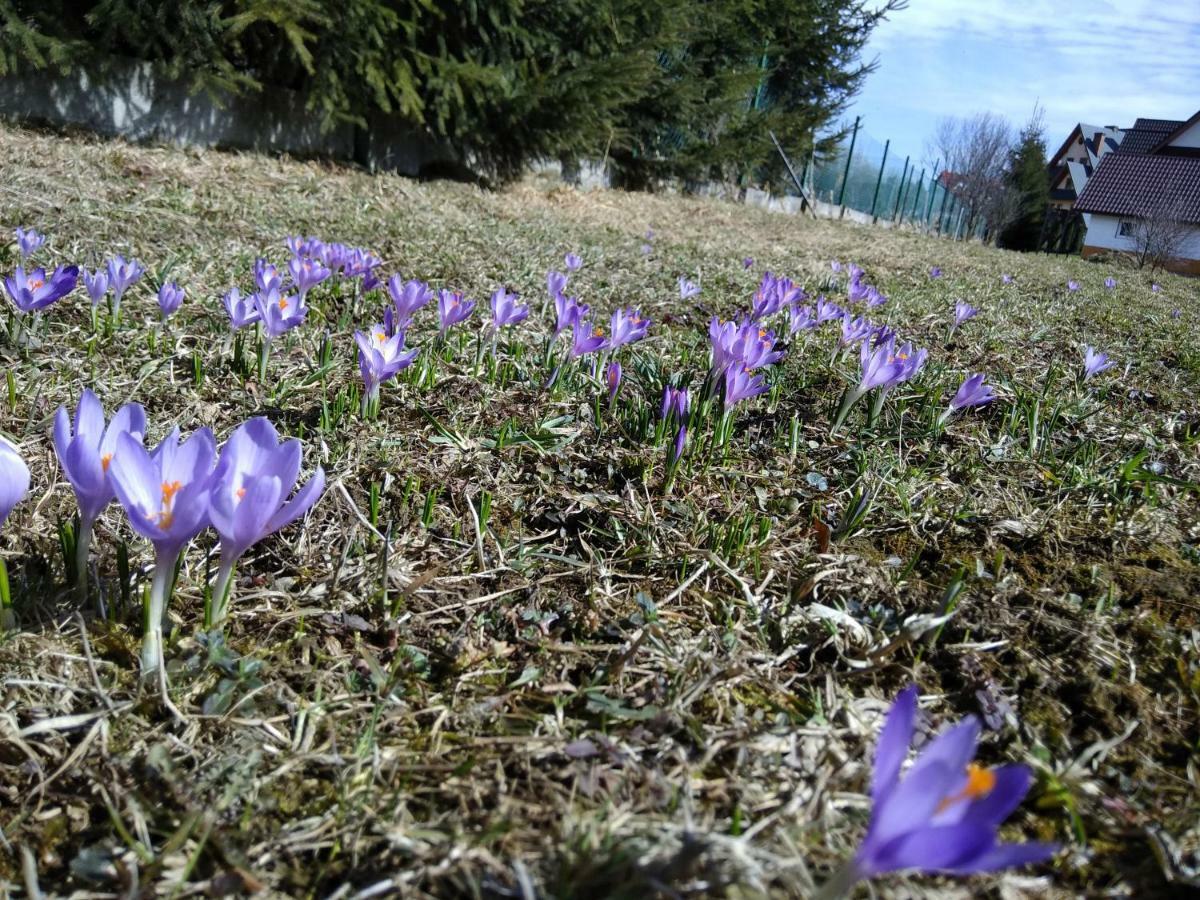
[431,746]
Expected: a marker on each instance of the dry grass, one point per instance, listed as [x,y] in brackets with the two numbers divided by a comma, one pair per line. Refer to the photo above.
[599,691]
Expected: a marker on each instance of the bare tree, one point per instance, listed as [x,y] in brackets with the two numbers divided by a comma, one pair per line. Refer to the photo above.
[1160,228]
[975,151]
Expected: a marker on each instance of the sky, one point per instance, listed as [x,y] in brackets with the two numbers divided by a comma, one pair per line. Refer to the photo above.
[1102,62]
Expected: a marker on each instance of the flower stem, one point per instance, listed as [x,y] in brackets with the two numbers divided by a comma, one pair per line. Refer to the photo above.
[218,608]
[264,354]
[160,589]
[83,545]
[840,883]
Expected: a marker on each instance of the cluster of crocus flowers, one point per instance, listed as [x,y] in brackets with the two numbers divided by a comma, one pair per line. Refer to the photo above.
[381,355]
[171,494]
[943,815]
[859,290]
[774,293]
[674,413]
[314,260]
[884,367]
[737,351]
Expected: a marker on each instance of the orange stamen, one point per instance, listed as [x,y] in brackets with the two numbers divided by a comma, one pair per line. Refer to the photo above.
[35,283]
[105,460]
[980,783]
[241,492]
[283,303]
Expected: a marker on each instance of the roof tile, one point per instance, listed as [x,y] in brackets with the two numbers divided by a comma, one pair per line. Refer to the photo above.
[1123,182]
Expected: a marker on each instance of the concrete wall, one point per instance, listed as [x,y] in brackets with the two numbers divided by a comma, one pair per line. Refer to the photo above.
[135,100]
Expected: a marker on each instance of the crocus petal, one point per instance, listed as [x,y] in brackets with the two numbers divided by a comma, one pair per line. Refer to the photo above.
[89,417]
[1005,856]
[912,801]
[300,504]
[954,748]
[14,478]
[894,741]
[934,848]
[137,484]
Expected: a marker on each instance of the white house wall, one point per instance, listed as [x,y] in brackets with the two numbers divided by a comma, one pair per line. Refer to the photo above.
[1102,234]
[1190,138]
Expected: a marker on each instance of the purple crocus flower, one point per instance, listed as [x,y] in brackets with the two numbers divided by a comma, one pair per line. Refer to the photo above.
[306,273]
[267,276]
[506,310]
[612,377]
[854,330]
[827,311]
[573,262]
[304,246]
[586,339]
[972,392]
[836,266]
[687,289]
[248,500]
[935,272]
[85,446]
[1094,362]
[675,402]
[380,357]
[800,319]
[37,290]
[1072,286]
[1006,279]
[170,298]
[556,284]
[335,256]
[96,284]
[1176,313]
[943,815]
[14,478]
[963,311]
[884,367]
[165,494]
[242,311]
[626,326]
[647,249]
[1110,282]
[407,298]
[748,262]
[122,276]
[279,313]
[875,297]
[742,384]
[678,445]
[857,290]
[360,261]
[28,241]
[452,309]
[908,363]
[1155,287]
[569,312]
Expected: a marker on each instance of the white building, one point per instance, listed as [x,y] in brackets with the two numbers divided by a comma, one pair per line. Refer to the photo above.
[1153,175]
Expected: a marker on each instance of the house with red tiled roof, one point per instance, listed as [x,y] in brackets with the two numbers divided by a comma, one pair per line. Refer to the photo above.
[1143,200]
[1080,154]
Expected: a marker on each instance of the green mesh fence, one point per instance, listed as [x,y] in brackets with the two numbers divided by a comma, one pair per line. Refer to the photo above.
[885,184]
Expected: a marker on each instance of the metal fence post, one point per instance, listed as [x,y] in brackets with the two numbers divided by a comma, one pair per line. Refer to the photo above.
[879,180]
[932,192]
[942,210]
[846,173]
[903,189]
[917,199]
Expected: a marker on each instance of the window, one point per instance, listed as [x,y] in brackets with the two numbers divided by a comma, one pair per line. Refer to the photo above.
[1125,228]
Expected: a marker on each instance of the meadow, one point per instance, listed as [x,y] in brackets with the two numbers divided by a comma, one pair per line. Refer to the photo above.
[530,641]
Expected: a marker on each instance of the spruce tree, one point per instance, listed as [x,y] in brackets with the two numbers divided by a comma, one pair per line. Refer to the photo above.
[1028,177]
